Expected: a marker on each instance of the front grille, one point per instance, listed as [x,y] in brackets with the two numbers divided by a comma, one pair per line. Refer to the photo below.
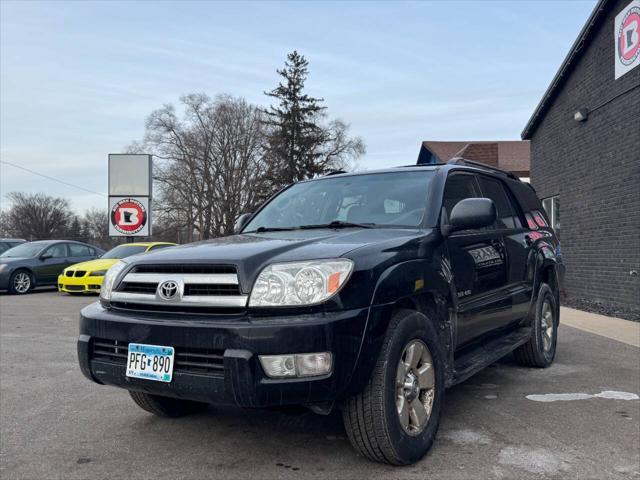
[182,269]
[95,287]
[75,288]
[211,289]
[80,273]
[69,273]
[134,287]
[200,289]
[191,360]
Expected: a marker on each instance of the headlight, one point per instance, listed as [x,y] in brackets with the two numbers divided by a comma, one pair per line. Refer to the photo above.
[110,279]
[98,273]
[299,283]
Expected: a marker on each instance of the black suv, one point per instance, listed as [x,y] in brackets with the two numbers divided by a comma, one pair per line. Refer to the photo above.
[372,292]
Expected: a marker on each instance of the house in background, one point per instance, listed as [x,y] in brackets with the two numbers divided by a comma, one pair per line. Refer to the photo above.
[511,155]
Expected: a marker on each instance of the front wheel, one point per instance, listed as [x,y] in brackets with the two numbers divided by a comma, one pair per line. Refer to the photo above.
[20,282]
[395,418]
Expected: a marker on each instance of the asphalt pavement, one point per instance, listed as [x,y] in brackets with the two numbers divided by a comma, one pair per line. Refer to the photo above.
[56,424]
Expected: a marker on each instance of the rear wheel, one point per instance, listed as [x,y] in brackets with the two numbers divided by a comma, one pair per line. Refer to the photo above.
[540,350]
[166,406]
[395,418]
[20,282]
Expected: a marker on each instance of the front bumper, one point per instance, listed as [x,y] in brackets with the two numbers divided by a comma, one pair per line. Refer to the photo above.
[86,284]
[240,339]
[5,275]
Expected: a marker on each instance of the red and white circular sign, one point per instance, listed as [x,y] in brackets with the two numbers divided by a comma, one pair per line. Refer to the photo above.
[128,216]
[628,36]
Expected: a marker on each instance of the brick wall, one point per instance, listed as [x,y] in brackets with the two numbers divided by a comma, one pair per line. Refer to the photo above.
[595,168]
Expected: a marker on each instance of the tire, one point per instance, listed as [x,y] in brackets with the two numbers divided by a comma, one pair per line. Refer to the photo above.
[21,282]
[540,350]
[372,419]
[166,406]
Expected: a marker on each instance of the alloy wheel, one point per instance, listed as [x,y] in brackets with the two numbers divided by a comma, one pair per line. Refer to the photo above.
[22,282]
[547,326]
[415,387]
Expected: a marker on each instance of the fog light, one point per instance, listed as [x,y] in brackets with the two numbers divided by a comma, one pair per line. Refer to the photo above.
[299,365]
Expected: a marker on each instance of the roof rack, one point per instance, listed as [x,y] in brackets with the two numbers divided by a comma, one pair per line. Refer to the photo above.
[421,165]
[471,163]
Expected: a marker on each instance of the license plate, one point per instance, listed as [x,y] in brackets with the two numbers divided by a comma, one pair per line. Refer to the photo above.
[150,362]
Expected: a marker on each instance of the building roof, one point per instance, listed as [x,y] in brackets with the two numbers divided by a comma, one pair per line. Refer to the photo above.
[567,65]
[510,155]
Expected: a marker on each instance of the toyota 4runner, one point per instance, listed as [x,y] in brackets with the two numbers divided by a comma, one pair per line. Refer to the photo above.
[370,292]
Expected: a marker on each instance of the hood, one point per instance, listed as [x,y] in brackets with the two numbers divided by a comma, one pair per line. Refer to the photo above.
[253,251]
[11,260]
[94,265]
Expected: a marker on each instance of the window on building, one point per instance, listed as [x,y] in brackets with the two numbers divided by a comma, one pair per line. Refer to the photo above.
[552,207]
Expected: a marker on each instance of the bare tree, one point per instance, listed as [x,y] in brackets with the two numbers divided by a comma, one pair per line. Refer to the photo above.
[95,228]
[209,163]
[37,216]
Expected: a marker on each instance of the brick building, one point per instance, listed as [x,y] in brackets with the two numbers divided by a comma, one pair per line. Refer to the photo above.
[585,157]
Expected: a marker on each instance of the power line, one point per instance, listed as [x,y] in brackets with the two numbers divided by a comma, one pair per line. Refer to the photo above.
[51,178]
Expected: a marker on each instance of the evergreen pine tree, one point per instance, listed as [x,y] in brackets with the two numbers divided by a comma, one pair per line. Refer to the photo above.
[294,134]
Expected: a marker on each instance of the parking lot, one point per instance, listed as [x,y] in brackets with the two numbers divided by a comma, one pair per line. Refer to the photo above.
[57,424]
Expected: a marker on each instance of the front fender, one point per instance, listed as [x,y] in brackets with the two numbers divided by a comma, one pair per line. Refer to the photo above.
[416,281]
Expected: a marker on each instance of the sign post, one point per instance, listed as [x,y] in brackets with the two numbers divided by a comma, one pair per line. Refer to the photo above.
[130,187]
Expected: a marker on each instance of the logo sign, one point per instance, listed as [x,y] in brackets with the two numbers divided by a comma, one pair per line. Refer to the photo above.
[168,290]
[130,186]
[129,216]
[627,36]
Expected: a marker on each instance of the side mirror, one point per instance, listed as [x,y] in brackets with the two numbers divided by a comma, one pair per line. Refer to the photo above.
[46,256]
[241,221]
[472,213]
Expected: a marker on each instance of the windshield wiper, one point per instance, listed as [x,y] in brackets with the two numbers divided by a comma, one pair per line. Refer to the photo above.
[272,229]
[338,224]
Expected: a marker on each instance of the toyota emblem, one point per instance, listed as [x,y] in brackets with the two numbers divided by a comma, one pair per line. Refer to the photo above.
[168,290]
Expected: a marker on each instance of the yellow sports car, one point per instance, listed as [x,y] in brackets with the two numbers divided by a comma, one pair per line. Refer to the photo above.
[86,277]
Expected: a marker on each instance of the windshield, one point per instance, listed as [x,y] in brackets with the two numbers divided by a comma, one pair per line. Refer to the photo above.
[395,199]
[24,250]
[123,251]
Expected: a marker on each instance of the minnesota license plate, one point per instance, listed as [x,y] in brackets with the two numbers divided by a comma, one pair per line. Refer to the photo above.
[150,362]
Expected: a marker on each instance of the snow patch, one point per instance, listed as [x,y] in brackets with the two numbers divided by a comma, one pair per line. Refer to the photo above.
[563,397]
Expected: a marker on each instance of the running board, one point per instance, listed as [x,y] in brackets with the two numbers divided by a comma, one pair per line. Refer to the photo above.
[484,355]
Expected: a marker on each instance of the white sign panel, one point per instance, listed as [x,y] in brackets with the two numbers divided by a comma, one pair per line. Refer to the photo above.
[129,217]
[129,175]
[627,37]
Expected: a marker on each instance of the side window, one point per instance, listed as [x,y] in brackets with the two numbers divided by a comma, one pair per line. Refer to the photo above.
[507,213]
[77,250]
[58,250]
[458,187]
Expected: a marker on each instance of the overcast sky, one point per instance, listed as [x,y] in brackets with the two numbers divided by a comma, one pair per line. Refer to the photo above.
[78,78]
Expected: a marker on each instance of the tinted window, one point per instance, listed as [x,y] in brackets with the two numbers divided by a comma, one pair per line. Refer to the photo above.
[77,250]
[390,199]
[458,188]
[57,251]
[507,213]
